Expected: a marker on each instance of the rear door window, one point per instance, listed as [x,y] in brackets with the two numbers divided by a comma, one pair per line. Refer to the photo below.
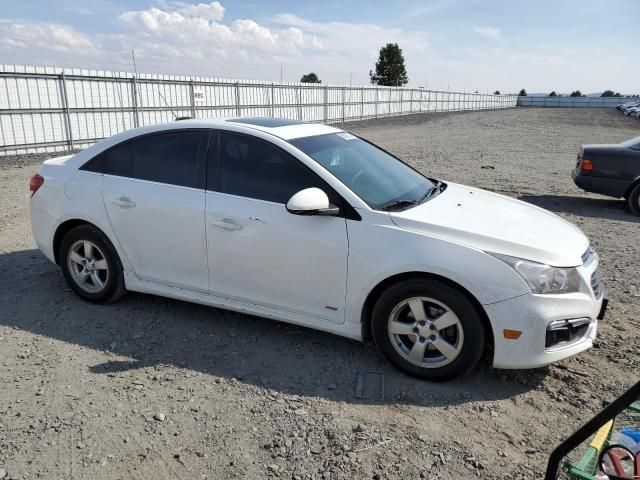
[170,157]
[166,158]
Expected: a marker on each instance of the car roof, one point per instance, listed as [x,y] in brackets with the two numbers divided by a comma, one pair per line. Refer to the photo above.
[286,129]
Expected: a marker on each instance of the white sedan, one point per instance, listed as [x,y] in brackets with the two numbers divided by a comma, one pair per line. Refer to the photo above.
[312,225]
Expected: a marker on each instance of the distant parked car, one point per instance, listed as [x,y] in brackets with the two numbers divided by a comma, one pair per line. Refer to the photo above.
[612,170]
[631,111]
[624,106]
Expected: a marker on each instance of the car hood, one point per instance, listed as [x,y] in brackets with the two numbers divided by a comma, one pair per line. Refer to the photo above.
[496,223]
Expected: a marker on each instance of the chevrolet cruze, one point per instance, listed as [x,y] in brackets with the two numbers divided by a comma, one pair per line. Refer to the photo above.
[312,225]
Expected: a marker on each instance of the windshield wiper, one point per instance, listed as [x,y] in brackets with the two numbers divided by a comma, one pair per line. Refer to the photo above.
[437,188]
[398,204]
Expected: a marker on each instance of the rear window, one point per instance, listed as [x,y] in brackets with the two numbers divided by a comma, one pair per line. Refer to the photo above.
[633,144]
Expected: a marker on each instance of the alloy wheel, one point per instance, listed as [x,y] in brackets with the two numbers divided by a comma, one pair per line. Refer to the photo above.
[425,332]
[88,266]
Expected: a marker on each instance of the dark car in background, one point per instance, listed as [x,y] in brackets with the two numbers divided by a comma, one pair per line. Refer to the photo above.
[612,170]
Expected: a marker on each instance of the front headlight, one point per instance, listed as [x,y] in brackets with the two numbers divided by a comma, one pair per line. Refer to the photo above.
[542,278]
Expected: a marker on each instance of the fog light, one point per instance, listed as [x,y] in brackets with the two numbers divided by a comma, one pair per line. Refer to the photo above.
[565,332]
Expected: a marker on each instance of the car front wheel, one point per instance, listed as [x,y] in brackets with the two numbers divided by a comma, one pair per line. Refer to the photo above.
[428,329]
[91,266]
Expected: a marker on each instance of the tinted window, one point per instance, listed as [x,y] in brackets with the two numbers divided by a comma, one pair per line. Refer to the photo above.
[118,160]
[167,158]
[253,168]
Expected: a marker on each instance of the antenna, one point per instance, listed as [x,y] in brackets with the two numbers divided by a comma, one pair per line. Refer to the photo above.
[121,105]
[135,68]
[175,116]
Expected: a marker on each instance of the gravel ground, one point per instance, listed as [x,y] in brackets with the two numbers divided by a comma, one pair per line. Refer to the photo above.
[155,388]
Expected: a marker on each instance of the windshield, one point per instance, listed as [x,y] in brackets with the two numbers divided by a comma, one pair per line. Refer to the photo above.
[634,143]
[378,178]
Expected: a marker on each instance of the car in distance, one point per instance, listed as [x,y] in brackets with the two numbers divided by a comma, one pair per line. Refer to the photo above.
[312,225]
[612,170]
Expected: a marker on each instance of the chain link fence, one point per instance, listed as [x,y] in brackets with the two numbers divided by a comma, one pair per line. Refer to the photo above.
[45,109]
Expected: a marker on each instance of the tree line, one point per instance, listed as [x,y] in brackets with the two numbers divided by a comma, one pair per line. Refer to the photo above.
[575,93]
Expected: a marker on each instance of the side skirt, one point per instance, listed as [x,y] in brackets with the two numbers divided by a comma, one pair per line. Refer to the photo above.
[347,329]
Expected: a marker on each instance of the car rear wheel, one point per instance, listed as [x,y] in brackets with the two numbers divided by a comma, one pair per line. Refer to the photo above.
[428,329]
[91,265]
[633,200]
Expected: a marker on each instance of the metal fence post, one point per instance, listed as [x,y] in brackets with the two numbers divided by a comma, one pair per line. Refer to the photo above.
[193,100]
[343,94]
[65,106]
[273,101]
[389,112]
[134,96]
[325,103]
[238,98]
[362,102]
[299,100]
[375,105]
[401,101]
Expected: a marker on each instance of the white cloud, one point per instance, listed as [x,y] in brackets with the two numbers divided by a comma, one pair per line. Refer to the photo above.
[490,32]
[195,30]
[44,36]
[212,11]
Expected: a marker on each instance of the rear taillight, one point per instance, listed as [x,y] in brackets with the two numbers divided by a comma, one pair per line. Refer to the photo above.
[586,165]
[35,183]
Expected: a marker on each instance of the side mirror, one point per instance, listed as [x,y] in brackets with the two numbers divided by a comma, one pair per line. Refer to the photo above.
[619,463]
[311,201]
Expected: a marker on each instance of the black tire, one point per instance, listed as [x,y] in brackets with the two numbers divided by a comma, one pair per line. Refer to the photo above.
[469,320]
[114,287]
[633,199]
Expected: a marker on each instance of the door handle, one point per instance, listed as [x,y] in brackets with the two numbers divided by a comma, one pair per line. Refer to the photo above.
[227,224]
[124,202]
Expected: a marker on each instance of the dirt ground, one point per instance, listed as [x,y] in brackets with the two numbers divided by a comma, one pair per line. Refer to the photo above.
[155,388]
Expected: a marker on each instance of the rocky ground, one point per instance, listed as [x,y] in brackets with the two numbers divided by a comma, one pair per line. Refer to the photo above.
[155,388]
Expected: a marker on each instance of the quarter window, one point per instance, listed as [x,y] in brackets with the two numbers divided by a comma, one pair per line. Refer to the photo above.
[254,168]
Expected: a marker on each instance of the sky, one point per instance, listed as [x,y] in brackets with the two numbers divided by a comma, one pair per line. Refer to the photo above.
[462,45]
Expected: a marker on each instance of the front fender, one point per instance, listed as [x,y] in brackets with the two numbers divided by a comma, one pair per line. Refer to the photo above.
[380,251]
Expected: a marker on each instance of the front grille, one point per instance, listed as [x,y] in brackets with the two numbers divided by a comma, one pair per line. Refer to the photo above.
[596,284]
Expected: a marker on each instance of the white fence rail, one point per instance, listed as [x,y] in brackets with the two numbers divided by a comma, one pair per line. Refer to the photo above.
[570,102]
[52,109]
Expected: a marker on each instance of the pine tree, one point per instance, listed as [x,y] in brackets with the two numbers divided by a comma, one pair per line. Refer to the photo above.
[390,69]
[310,78]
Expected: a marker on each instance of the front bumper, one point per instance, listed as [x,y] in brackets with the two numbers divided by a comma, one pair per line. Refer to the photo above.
[532,314]
[553,327]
